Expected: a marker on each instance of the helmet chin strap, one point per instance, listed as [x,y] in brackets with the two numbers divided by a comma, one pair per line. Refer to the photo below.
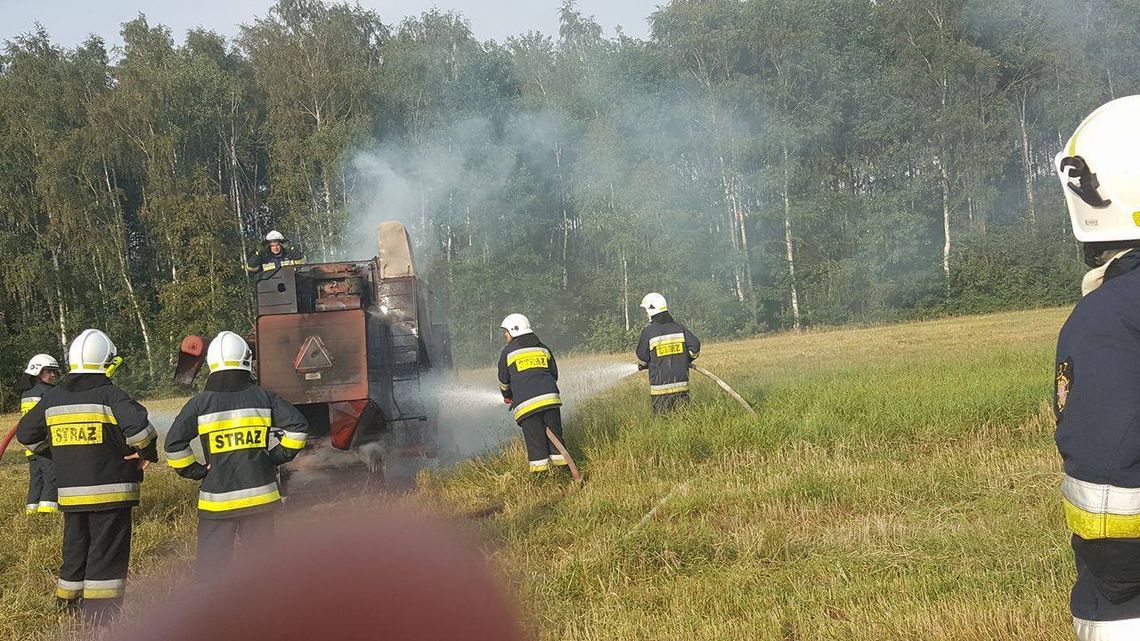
[1094,278]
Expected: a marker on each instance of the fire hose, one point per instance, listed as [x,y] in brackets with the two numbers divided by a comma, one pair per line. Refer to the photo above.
[7,439]
[726,387]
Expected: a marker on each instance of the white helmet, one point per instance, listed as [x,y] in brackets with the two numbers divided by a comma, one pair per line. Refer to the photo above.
[91,352]
[275,235]
[654,304]
[1100,173]
[229,351]
[517,325]
[39,363]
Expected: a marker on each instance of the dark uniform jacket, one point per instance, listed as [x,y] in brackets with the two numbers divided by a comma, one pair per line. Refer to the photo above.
[667,349]
[28,400]
[1097,404]
[90,425]
[267,261]
[233,418]
[528,375]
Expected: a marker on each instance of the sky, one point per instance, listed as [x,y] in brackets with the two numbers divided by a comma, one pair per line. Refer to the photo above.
[69,22]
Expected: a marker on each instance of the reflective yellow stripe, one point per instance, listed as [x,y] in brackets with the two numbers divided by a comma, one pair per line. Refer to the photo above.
[292,443]
[67,594]
[27,404]
[1090,525]
[97,499]
[179,463]
[528,407]
[88,417]
[236,504]
[245,421]
[107,593]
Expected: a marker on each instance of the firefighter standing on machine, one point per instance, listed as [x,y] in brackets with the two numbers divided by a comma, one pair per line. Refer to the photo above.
[528,379]
[39,376]
[277,253]
[667,349]
[1097,374]
[233,418]
[100,440]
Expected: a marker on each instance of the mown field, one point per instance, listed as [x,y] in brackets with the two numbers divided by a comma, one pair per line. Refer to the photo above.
[897,483]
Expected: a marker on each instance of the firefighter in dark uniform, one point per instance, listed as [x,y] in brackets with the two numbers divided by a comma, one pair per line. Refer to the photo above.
[528,379]
[100,440]
[233,419]
[39,376]
[277,253]
[1097,374]
[667,350]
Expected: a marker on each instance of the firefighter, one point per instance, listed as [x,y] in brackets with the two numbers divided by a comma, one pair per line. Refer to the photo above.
[233,420]
[276,254]
[39,376]
[1097,374]
[528,379]
[100,440]
[667,350]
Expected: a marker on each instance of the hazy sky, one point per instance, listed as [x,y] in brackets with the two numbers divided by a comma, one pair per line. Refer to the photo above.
[70,21]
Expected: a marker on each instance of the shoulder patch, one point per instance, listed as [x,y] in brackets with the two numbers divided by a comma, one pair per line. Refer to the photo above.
[1062,387]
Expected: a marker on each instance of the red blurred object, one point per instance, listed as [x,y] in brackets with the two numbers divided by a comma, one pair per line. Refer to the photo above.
[370,577]
[508,401]
[7,439]
[344,418]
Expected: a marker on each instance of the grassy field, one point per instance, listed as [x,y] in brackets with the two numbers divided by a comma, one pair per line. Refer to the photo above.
[898,483]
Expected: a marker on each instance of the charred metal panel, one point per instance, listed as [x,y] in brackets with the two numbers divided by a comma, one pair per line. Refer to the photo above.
[277,292]
[337,337]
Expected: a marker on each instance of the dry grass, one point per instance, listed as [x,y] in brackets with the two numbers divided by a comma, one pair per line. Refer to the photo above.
[898,483]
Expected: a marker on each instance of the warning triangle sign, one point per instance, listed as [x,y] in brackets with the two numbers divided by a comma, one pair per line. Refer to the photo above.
[313,356]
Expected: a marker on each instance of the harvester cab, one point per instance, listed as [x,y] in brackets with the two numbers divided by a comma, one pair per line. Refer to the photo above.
[351,344]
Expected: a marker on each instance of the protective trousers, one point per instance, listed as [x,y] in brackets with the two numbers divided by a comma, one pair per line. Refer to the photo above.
[539,450]
[42,495]
[665,403]
[96,553]
[217,538]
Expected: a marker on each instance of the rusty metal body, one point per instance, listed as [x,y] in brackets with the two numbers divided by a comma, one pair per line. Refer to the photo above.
[348,345]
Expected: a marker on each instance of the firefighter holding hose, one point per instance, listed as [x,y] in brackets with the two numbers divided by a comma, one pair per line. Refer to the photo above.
[39,377]
[528,379]
[1097,374]
[232,417]
[667,349]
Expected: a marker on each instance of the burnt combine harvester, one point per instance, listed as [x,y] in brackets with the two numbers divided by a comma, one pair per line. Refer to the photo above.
[351,344]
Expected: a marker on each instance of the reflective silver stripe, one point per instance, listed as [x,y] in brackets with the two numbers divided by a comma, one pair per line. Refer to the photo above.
[1120,630]
[181,454]
[667,338]
[542,400]
[71,585]
[35,447]
[668,388]
[144,437]
[293,440]
[504,386]
[79,408]
[1101,499]
[87,490]
[238,494]
[108,584]
[557,457]
[229,415]
[641,362]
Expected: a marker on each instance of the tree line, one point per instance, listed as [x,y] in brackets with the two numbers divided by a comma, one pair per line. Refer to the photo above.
[766,164]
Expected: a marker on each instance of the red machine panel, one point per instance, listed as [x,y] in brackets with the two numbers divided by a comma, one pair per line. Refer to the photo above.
[314,358]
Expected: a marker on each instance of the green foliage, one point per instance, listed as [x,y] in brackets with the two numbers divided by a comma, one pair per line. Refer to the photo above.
[766,164]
